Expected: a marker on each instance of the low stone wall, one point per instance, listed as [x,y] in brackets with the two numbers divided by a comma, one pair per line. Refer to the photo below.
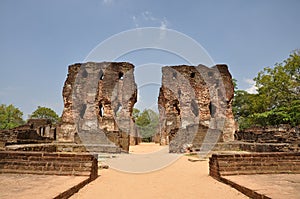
[283,133]
[49,163]
[254,163]
[65,147]
[221,165]
[8,137]
[221,146]
[254,147]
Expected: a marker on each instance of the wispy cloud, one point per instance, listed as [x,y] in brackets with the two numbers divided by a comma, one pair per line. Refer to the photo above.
[252,88]
[135,21]
[163,24]
[146,18]
[163,28]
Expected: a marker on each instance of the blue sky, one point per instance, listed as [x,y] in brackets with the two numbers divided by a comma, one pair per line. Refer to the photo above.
[39,39]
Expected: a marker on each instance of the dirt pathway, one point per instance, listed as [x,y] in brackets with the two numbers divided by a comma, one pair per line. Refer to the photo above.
[182,179]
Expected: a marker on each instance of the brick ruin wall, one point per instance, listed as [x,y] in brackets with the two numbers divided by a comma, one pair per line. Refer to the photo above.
[195,101]
[34,131]
[271,134]
[254,163]
[98,103]
[44,163]
[222,165]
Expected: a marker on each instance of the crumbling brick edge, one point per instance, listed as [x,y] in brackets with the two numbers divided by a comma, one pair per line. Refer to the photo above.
[255,163]
[93,176]
[248,192]
[71,191]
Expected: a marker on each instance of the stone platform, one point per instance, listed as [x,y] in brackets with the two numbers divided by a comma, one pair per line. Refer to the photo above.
[38,186]
[280,186]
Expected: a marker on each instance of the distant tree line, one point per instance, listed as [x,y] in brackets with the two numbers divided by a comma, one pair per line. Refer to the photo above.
[277,100]
[11,117]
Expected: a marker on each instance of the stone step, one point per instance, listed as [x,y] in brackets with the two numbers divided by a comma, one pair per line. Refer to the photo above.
[102,148]
[42,172]
[45,162]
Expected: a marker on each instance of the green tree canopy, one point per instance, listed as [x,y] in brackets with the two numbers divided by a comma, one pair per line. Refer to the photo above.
[147,122]
[10,117]
[279,86]
[278,97]
[45,113]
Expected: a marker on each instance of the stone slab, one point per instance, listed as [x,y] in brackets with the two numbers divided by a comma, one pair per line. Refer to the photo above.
[277,186]
[23,186]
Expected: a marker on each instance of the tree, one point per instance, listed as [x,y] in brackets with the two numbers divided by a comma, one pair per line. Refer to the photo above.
[279,87]
[143,119]
[147,122]
[277,101]
[10,117]
[45,113]
[243,107]
[282,115]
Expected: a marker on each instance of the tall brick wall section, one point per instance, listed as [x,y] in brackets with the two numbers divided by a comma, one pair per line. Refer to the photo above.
[254,163]
[49,163]
[195,106]
[98,104]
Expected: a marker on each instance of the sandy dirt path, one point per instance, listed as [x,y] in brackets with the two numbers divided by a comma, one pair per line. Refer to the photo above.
[182,179]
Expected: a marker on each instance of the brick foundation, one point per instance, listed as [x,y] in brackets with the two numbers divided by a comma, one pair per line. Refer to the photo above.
[255,163]
[43,163]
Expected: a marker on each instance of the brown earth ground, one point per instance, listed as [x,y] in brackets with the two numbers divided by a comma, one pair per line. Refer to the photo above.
[182,179]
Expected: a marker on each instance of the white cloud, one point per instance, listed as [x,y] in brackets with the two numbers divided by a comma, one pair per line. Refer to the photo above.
[146,18]
[163,24]
[135,22]
[252,88]
[163,27]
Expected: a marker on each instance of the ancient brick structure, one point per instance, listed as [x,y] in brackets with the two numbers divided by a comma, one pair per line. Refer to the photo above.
[223,165]
[195,106]
[98,103]
[34,131]
[271,134]
[254,163]
[49,163]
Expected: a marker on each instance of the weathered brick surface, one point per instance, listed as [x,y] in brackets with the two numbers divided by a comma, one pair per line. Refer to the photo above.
[221,165]
[34,131]
[98,104]
[195,101]
[248,192]
[49,163]
[254,163]
[64,147]
[271,134]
